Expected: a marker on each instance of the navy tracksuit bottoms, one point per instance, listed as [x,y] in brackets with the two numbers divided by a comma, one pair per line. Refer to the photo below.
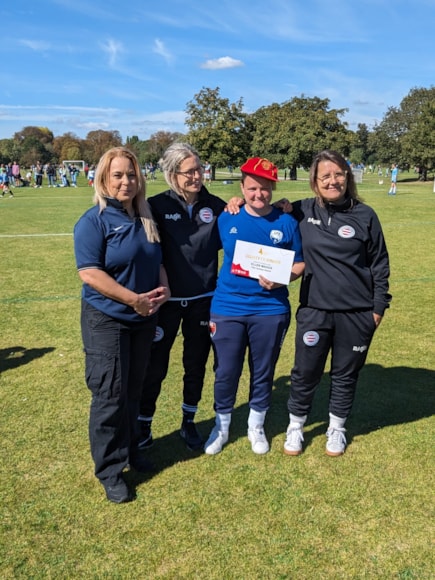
[263,336]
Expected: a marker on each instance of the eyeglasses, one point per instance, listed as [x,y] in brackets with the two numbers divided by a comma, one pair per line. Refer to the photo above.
[338,176]
[190,173]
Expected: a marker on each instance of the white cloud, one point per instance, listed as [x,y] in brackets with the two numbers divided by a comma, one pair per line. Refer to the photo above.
[36,45]
[222,62]
[160,48]
[112,48]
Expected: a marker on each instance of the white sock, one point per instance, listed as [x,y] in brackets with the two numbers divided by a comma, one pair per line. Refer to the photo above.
[223,421]
[297,422]
[256,418]
[336,422]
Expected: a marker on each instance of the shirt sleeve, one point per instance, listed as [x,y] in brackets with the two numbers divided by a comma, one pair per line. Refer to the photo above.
[379,266]
[89,243]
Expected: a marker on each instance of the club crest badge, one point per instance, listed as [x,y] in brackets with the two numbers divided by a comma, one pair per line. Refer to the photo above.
[346,232]
[206,215]
[159,334]
[276,236]
[311,338]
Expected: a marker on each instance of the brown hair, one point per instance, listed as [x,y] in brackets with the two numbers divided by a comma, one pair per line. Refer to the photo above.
[338,159]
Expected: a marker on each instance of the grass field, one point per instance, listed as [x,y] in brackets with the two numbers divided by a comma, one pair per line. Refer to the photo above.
[367,514]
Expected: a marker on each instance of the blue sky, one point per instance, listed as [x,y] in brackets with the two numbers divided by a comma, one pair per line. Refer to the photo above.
[132,66]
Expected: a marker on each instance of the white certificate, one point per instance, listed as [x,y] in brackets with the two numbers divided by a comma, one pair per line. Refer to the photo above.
[252,260]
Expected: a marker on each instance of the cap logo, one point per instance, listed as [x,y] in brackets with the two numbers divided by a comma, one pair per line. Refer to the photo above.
[265,164]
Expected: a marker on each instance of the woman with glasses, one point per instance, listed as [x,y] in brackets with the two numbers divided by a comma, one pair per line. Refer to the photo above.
[343,296]
[186,216]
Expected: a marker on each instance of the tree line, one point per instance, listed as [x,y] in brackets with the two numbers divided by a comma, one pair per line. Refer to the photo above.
[289,134]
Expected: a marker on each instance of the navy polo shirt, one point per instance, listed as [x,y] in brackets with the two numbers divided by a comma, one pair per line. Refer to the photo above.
[112,241]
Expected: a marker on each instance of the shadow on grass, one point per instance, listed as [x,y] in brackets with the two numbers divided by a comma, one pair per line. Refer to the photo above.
[16,356]
[385,397]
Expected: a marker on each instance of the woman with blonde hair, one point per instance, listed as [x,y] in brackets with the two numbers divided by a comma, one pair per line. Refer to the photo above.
[119,261]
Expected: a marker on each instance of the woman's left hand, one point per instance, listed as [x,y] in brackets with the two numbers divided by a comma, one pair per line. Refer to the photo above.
[377,318]
[157,297]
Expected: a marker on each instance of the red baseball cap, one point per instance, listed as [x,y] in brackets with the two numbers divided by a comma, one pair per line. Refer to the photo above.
[261,168]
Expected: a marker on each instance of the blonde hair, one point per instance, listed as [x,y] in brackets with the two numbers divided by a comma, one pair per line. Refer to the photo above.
[140,205]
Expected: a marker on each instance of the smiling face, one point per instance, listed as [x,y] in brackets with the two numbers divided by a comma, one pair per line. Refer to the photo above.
[122,184]
[189,178]
[257,192]
[331,181]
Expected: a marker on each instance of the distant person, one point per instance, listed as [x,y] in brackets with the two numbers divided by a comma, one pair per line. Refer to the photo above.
[74,173]
[6,189]
[39,173]
[16,174]
[50,172]
[207,173]
[119,261]
[343,297]
[91,175]
[250,314]
[394,174]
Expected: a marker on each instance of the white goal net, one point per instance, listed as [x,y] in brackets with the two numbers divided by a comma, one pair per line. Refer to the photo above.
[80,164]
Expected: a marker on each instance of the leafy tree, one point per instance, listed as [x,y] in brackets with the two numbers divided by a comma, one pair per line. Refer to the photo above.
[360,151]
[7,151]
[42,133]
[418,143]
[159,142]
[406,133]
[98,142]
[291,133]
[218,129]
[67,146]
[34,144]
[32,150]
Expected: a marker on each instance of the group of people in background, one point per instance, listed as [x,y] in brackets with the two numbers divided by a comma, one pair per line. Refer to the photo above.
[57,175]
[151,266]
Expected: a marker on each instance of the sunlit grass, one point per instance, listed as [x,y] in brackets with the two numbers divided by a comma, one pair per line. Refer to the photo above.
[368,514]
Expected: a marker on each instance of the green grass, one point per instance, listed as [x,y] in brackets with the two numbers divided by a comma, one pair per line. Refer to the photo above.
[368,514]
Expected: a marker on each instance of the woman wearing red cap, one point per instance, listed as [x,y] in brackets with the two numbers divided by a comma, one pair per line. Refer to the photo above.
[250,313]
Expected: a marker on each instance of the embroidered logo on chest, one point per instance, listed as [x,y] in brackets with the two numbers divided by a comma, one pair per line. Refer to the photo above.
[276,236]
[346,232]
[206,215]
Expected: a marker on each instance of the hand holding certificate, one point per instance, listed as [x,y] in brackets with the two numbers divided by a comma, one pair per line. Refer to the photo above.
[255,260]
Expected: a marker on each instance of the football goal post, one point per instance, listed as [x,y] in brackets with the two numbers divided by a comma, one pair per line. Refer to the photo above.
[80,164]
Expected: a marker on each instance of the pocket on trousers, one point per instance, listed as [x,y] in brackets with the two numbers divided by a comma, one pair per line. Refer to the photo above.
[102,373]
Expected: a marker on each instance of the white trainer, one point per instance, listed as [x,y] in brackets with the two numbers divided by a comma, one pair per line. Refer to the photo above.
[215,442]
[336,443]
[258,440]
[293,441]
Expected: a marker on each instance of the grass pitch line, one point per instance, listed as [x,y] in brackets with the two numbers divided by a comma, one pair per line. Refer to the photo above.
[32,235]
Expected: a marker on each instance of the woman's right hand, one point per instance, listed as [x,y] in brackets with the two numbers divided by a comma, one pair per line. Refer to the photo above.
[284,205]
[148,303]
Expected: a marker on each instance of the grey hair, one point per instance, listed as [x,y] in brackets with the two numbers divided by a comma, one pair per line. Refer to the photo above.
[171,160]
